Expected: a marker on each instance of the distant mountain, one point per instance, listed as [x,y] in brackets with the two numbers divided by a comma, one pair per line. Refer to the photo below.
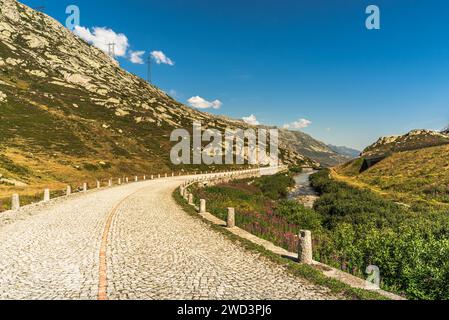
[345,151]
[310,147]
[415,139]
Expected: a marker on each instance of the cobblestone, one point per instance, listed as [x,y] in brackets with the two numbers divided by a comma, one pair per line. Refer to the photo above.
[154,251]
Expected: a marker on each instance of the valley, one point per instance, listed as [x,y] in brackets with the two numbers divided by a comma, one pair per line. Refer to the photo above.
[70,114]
[72,117]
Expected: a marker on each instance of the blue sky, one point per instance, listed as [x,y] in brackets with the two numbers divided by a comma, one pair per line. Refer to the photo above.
[287,60]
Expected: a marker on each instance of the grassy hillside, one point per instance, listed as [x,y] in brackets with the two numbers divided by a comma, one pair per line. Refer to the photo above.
[411,176]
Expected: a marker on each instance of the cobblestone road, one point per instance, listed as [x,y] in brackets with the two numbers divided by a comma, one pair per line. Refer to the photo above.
[154,251]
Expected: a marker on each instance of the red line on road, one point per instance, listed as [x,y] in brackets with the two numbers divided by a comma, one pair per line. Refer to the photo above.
[103,268]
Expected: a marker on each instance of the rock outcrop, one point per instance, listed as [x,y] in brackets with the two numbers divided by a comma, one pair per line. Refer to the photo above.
[415,139]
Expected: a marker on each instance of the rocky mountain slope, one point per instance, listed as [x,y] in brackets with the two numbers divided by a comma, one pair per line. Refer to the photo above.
[67,109]
[309,147]
[416,139]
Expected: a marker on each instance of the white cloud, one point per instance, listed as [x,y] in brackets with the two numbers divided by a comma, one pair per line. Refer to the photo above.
[161,58]
[136,57]
[252,120]
[101,37]
[299,124]
[201,103]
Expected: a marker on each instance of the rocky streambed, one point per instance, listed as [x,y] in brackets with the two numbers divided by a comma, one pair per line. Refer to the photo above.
[303,192]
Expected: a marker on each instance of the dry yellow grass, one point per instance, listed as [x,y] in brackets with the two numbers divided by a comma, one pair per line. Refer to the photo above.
[411,176]
[59,171]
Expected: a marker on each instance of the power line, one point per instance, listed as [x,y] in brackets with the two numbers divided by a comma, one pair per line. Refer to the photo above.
[111,49]
[40,8]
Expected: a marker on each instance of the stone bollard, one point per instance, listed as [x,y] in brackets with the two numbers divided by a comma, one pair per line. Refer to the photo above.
[68,191]
[190,199]
[159,176]
[166,175]
[305,254]
[119,181]
[110,183]
[231,218]
[126,180]
[15,202]
[144,178]
[84,187]
[98,184]
[202,206]
[46,195]
[152,177]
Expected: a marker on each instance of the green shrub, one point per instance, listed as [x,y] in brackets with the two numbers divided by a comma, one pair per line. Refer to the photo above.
[295,169]
[275,187]
[297,214]
[409,245]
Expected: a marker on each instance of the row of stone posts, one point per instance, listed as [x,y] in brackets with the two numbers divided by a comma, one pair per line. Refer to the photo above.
[15,200]
[305,251]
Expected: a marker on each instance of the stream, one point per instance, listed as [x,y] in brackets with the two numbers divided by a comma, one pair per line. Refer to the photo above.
[303,191]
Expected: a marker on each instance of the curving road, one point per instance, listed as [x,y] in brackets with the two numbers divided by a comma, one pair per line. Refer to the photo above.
[132,242]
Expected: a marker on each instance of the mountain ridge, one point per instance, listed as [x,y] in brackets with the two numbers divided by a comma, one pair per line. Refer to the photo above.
[413,140]
[68,110]
[345,151]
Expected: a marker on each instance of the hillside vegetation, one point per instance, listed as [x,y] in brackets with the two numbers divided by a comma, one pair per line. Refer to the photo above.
[409,245]
[411,176]
[352,228]
[261,207]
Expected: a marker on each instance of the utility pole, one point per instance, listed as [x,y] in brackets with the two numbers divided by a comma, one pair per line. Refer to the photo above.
[41,8]
[149,69]
[111,49]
